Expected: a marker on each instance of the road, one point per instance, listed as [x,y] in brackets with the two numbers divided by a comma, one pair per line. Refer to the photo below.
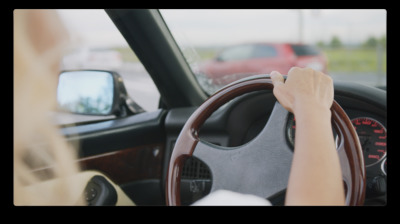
[371,78]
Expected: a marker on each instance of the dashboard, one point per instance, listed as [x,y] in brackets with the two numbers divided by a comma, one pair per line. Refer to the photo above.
[240,120]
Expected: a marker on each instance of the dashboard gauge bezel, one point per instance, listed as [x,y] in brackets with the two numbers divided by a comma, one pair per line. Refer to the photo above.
[290,136]
[384,170]
[385,130]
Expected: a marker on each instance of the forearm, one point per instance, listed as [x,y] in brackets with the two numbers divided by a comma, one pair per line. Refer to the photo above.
[315,177]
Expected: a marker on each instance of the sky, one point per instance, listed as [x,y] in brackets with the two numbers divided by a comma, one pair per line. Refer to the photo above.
[279,25]
[221,27]
[73,86]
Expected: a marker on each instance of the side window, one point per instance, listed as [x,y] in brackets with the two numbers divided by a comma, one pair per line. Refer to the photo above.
[236,53]
[98,45]
[304,50]
[264,51]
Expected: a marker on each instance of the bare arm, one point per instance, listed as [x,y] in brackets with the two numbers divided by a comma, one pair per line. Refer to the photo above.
[315,177]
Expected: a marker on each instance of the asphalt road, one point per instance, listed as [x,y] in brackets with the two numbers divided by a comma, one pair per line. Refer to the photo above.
[370,78]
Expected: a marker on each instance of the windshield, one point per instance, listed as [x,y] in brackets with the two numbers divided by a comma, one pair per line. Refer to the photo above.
[222,46]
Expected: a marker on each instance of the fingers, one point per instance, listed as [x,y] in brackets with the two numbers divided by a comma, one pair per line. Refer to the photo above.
[279,90]
[277,78]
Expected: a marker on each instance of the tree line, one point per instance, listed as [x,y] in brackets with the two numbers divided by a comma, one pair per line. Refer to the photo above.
[370,42]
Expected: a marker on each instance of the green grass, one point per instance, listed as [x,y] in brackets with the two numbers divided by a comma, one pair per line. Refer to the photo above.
[355,60]
[339,60]
[127,54]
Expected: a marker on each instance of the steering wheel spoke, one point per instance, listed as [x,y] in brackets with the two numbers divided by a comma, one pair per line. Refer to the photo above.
[260,167]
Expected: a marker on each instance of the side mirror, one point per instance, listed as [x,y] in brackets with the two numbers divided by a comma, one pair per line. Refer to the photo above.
[94,92]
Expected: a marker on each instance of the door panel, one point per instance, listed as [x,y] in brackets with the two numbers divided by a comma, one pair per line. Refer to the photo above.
[108,136]
[127,165]
[129,151]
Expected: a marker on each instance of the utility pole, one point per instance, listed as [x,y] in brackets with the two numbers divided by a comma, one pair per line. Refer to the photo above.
[300,26]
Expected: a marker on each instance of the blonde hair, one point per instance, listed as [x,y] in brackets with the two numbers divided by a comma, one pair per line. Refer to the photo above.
[37,141]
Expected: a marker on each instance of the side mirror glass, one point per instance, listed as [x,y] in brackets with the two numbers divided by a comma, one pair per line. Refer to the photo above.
[87,92]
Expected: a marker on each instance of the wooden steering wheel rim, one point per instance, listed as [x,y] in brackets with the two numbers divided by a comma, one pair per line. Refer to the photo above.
[348,142]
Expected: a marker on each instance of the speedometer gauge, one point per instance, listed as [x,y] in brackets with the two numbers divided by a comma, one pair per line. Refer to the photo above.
[372,135]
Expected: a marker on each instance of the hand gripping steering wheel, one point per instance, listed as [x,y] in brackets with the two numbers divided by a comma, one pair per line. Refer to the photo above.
[261,166]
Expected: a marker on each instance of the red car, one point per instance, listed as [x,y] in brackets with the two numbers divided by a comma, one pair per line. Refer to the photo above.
[239,61]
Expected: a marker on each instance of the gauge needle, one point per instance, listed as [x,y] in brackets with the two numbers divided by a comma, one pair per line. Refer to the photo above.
[364,142]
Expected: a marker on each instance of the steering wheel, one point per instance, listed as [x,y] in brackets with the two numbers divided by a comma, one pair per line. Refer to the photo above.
[261,166]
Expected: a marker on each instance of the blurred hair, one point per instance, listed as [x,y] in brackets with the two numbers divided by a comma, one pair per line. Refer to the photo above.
[39,40]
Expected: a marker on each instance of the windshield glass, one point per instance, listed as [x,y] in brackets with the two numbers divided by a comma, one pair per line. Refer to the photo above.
[222,46]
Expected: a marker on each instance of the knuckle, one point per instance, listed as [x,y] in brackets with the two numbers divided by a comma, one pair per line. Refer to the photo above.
[294,70]
[329,78]
[309,70]
[326,77]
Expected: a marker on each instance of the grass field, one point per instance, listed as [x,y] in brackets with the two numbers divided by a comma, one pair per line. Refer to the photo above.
[356,60]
